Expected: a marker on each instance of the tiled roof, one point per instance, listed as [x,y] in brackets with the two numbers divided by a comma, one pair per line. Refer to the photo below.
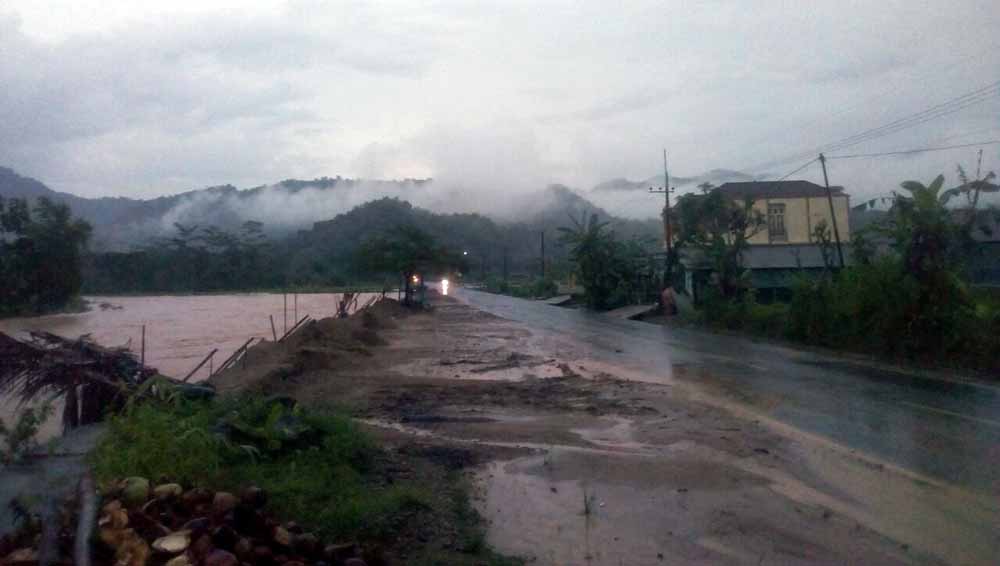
[776,189]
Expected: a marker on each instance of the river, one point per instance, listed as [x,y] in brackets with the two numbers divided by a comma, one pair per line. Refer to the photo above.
[180,329]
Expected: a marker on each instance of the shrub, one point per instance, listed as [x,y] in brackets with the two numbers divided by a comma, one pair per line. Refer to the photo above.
[20,440]
[544,287]
[768,320]
[319,467]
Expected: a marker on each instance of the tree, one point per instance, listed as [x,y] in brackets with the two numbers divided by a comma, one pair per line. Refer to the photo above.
[922,230]
[719,229]
[608,267]
[929,246]
[407,252]
[40,256]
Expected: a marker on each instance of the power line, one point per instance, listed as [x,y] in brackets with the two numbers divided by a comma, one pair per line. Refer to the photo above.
[950,106]
[803,166]
[912,151]
[911,78]
[943,109]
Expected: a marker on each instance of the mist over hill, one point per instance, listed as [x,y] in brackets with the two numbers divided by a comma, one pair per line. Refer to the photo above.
[631,199]
[292,205]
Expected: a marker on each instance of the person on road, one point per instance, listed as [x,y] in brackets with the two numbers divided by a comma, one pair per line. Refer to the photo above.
[669,301]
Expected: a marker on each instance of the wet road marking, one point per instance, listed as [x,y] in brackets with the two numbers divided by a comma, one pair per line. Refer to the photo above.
[950,413]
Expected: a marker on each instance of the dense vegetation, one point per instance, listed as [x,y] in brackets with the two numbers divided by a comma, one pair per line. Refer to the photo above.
[194,259]
[206,259]
[40,256]
[716,230]
[908,300]
[612,271]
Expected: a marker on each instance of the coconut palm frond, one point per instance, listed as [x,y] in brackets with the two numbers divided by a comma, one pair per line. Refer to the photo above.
[51,365]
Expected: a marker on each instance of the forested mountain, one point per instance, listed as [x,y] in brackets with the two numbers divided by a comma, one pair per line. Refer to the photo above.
[303,232]
[193,259]
[329,244]
[121,223]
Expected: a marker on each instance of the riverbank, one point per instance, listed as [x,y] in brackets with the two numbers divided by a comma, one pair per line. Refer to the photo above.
[76,305]
[302,290]
[578,460]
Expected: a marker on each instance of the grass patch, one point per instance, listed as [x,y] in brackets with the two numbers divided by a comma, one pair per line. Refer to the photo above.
[318,468]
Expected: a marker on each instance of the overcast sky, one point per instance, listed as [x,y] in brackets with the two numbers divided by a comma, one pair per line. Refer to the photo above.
[114,97]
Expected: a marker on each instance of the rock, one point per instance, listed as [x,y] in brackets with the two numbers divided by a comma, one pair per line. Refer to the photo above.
[142,522]
[198,526]
[115,518]
[22,556]
[168,491]
[135,491]
[282,536]
[305,544]
[250,522]
[221,558]
[181,560]
[337,553]
[173,543]
[201,548]
[195,496]
[243,549]
[262,555]
[113,505]
[254,497]
[131,550]
[224,502]
[225,537]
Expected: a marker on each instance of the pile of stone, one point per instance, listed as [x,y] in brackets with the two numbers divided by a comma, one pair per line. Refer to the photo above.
[140,525]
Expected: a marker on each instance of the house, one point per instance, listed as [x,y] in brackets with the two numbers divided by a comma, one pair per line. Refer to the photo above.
[785,245]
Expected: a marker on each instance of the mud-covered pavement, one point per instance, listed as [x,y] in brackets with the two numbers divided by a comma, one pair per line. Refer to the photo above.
[582,460]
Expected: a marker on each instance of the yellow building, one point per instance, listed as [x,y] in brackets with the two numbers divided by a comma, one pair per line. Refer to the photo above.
[784,246]
[793,209]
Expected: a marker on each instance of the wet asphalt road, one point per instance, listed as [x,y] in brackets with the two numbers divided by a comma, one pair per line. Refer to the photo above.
[944,429]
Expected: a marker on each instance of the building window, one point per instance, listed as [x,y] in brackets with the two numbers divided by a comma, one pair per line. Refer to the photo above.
[776,222]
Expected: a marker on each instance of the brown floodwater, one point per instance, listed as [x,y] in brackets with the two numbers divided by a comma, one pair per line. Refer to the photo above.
[180,329]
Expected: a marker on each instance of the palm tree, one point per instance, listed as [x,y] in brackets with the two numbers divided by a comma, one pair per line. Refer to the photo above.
[922,229]
[591,250]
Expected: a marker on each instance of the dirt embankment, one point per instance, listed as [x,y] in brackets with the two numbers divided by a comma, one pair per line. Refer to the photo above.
[577,462]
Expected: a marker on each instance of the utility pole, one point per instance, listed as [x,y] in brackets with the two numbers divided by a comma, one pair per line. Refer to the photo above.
[833,215]
[505,264]
[979,170]
[668,234]
[542,234]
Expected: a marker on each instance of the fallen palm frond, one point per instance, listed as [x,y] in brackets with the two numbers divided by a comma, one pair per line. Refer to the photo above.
[91,378]
[47,363]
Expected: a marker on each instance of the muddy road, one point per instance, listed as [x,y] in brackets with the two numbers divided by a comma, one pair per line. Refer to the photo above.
[933,424]
[590,450]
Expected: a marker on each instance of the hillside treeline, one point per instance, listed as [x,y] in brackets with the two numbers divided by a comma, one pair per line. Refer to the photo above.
[198,259]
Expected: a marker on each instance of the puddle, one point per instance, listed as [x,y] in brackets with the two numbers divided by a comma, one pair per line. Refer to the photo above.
[571,507]
[618,436]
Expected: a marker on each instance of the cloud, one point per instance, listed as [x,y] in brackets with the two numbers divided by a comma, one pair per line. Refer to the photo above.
[117,98]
